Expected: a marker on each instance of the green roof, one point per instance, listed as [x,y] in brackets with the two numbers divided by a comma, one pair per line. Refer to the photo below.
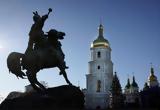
[134,84]
[128,84]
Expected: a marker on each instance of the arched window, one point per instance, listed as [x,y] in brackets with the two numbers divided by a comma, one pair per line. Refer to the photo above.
[98,86]
[98,67]
[99,54]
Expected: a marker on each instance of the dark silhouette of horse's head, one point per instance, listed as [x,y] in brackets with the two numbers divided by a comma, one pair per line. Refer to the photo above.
[54,34]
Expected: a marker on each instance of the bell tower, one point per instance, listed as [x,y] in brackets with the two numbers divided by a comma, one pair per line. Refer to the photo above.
[100,74]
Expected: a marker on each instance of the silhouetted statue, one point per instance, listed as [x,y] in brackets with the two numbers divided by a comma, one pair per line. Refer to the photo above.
[43,51]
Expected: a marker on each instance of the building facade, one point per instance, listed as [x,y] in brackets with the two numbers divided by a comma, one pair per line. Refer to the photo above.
[99,78]
[131,93]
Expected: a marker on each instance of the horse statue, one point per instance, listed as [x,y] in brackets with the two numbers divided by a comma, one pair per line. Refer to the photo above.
[44,51]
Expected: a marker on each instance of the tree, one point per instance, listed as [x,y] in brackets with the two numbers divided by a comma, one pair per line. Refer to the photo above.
[116,99]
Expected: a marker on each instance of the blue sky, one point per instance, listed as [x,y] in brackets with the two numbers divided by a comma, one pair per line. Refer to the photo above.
[131,26]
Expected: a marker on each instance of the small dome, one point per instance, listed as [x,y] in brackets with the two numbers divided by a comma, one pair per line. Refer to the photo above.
[128,84]
[146,87]
[152,77]
[100,42]
[134,84]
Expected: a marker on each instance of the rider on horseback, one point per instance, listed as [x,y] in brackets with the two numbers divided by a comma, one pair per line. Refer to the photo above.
[43,51]
[38,40]
[36,34]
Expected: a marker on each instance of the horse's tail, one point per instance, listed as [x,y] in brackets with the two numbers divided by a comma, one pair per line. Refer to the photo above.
[14,64]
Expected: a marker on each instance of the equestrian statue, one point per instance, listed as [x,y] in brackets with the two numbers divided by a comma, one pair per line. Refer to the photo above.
[43,51]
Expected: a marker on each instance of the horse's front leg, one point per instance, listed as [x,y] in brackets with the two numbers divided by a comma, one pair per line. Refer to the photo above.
[66,78]
[34,82]
[40,85]
[62,67]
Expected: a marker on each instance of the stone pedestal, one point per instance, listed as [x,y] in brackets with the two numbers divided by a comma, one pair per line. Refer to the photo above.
[62,97]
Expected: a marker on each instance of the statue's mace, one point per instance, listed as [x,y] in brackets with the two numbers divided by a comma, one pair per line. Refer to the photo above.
[49,10]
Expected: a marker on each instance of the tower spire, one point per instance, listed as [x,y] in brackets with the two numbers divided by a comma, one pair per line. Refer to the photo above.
[128,82]
[100,30]
[134,79]
[152,69]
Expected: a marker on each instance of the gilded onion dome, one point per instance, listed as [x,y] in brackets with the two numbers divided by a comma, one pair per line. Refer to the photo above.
[152,77]
[100,41]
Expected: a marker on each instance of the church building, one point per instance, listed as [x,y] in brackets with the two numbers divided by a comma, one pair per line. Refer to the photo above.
[100,75]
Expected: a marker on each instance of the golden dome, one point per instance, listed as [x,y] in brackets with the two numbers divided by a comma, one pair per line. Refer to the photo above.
[100,41]
[152,77]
